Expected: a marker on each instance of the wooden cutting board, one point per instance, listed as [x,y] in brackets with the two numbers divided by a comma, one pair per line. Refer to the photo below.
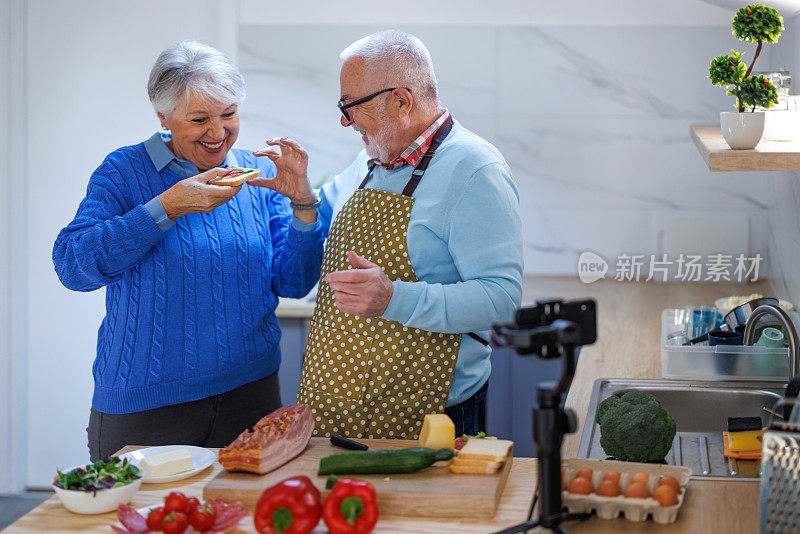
[432,492]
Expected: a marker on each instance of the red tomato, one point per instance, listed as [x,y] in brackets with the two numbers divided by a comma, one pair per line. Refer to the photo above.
[203,517]
[175,523]
[154,518]
[175,502]
[191,504]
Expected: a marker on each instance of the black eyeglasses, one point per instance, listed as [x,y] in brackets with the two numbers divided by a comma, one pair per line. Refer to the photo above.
[343,107]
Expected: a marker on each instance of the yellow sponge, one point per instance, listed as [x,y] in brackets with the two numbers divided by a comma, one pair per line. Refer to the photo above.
[748,440]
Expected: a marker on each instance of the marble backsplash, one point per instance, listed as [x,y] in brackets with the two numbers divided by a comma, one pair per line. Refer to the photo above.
[784,235]
[594,122]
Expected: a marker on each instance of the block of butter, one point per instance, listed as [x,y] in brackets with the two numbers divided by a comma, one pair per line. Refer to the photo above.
[168,463]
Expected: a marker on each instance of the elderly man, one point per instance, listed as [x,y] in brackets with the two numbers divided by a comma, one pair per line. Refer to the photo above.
[423,255]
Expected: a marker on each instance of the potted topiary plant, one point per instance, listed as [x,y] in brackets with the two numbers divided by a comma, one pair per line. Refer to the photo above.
[744,127]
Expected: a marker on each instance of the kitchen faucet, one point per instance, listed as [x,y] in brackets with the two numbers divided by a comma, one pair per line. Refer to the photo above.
[789,331]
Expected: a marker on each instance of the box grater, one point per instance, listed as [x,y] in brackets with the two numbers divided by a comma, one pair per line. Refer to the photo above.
[779,511]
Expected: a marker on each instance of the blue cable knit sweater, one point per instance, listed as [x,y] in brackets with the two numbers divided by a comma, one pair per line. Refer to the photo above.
[189,311]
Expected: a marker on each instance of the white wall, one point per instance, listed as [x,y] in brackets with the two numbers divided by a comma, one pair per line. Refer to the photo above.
[482,13]
[13,338]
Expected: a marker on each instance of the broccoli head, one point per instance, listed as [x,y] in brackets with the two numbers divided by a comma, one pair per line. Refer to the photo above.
[604,407]
[635,429]
[631,397]
[638,397]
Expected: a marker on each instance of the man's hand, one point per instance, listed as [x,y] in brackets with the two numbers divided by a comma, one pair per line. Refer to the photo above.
[291,178]
[195,195]
[364,291]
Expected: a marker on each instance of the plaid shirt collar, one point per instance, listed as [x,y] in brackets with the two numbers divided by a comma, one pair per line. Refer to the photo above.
[417,149]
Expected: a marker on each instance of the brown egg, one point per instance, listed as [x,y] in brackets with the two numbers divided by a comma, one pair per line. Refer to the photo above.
[672,482]
[665,495]
[640,477]
[580,486]
[637,490]
[563,479]
[585,473]
[608,488]
[612,475]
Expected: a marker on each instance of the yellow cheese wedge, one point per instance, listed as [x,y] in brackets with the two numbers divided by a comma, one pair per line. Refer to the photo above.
[748,440]
[438,432]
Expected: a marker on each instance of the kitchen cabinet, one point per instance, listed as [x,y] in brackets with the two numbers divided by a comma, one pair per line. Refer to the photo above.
[294,332]
[767,156]
[512,396]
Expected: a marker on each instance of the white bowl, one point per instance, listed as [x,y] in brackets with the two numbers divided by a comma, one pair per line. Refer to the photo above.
[105,500]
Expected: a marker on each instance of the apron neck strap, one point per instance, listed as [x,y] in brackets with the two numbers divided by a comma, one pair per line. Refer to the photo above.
[419,170]
[371,163]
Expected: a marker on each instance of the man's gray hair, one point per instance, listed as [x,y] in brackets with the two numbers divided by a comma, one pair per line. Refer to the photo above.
[397,59]
[191,67]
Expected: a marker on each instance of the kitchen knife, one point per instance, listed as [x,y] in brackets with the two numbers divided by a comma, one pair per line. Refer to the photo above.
[339,441]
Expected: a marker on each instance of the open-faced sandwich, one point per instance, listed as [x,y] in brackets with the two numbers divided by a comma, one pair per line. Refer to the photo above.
[236,176]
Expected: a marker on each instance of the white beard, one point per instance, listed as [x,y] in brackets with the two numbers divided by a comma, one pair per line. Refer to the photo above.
[379,142]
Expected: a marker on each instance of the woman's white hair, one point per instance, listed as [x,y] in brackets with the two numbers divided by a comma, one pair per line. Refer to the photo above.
[397,59]
[189,67]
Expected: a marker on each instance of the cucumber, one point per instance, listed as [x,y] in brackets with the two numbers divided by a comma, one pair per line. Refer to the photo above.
[397,461]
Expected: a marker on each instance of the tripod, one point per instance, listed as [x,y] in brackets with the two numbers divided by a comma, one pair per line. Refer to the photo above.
[560,328]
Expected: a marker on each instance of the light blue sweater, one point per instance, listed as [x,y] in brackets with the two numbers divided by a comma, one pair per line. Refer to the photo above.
[464,243]
[190,307]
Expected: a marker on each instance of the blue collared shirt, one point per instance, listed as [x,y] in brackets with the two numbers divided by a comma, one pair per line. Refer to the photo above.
[162,156]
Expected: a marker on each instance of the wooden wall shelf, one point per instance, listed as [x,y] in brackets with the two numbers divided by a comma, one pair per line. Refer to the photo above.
[767,156]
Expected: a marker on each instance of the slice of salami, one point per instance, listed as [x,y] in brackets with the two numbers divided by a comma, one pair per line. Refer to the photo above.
[131,519]
[273,441]
[228,515]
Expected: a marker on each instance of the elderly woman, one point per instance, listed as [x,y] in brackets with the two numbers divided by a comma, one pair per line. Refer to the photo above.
[188,350]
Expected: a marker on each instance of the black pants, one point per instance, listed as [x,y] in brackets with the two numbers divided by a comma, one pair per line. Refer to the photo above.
[470,416]
[211,422]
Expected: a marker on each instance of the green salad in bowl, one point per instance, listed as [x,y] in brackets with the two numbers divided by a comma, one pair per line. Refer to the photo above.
[103,474]
[98,487]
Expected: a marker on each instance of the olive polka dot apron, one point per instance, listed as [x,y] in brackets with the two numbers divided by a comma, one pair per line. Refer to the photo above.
[371,377]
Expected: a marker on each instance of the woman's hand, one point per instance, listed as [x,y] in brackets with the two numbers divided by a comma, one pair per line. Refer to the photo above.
[291,179]
[195,195]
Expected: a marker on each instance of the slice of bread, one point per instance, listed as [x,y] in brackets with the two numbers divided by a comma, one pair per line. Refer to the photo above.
[460,462]
[236,179]
[495,450]
[478,468]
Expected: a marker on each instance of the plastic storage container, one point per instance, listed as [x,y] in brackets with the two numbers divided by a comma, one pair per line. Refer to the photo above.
[632,509]
[719,363]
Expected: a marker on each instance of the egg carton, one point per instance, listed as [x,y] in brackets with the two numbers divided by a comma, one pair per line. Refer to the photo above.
[611,507]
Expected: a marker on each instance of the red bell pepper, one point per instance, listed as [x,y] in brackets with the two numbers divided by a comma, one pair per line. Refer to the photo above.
[292,506]
[351,508]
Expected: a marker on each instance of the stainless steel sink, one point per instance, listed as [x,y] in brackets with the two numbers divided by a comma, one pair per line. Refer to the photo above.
[701,412]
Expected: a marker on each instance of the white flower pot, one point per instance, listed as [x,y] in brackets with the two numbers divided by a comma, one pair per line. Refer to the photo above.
[742,130]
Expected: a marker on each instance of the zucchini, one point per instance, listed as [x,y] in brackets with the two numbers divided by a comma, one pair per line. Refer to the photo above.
[397,461]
